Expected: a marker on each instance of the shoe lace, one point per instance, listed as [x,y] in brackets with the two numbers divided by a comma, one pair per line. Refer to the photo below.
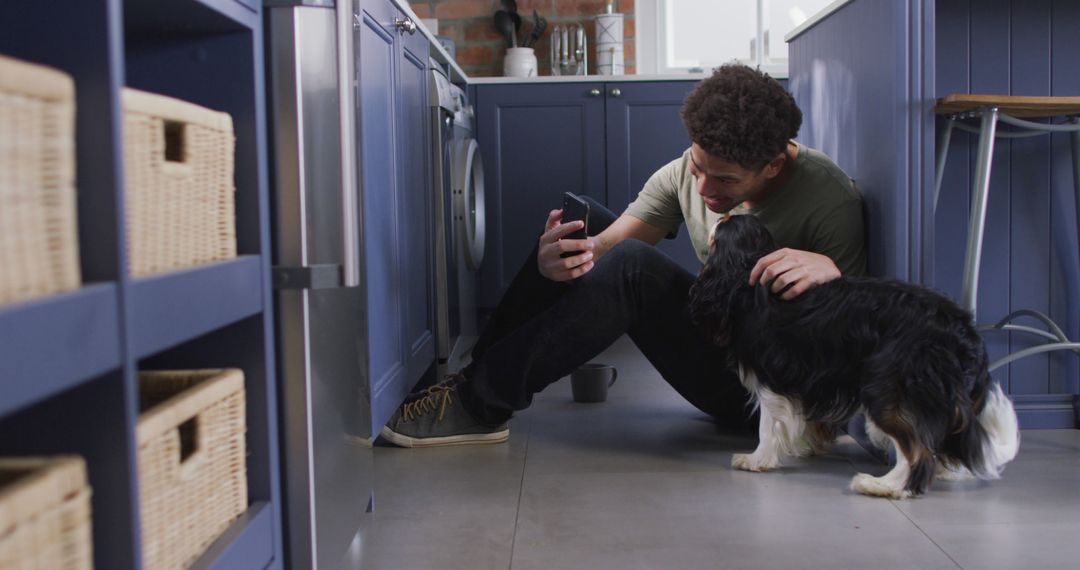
[437,397]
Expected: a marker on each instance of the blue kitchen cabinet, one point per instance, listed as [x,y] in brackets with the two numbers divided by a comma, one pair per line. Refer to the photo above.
[645,132]
[602,140]
[394,174]
[417,222]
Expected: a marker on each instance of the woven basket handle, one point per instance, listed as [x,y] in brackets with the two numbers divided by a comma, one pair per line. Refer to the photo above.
[192,446]
[176,148]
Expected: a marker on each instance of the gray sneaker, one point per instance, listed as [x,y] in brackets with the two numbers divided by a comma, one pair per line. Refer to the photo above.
[434,417]
[449,381]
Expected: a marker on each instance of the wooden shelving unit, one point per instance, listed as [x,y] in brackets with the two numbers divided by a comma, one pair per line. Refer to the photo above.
[68,363]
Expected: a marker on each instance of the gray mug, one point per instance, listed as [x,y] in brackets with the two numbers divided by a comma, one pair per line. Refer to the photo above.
[590,383]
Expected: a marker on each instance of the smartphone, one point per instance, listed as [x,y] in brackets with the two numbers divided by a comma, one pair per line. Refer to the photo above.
[573,209]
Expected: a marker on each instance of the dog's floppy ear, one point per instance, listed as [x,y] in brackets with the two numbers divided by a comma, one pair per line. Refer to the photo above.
[737,243]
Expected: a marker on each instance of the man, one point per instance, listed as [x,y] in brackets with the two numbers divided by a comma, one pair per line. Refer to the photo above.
[560,312]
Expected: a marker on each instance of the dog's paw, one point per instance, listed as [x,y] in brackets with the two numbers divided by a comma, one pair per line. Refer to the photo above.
[749,462]
[876,487]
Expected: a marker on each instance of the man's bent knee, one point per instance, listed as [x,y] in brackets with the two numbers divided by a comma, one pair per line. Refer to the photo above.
[632,252]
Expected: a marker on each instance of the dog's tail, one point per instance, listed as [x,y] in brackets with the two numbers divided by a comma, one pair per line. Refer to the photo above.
[985,445]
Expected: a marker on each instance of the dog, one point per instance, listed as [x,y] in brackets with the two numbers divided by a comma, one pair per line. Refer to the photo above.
[907,357]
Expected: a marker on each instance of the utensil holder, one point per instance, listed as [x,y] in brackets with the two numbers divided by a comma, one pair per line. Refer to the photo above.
[520,62]
[569,50]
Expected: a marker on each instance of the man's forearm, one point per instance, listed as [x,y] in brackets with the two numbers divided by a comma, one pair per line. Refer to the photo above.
[625,227]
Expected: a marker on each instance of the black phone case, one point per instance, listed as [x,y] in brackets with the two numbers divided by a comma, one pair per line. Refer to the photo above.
[575,208]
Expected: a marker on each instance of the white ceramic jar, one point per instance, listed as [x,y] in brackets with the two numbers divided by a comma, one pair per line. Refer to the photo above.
[519,62]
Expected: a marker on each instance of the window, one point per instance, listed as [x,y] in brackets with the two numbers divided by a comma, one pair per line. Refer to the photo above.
[679,36]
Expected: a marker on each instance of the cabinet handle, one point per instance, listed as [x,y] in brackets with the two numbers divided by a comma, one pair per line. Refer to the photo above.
[616,92]
[594,93]
[351,274]
[405,25]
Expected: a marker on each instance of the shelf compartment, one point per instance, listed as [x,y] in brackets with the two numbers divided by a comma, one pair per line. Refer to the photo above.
[147,21]
[52,344]
[172,308]
[229,71]
[91,420]
[248,543]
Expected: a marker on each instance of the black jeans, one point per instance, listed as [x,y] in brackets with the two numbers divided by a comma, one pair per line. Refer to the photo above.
[542,330]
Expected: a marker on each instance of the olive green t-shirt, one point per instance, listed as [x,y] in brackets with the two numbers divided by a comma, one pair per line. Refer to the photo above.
[818,209]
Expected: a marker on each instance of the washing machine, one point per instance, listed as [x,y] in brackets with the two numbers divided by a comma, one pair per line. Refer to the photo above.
[458,186]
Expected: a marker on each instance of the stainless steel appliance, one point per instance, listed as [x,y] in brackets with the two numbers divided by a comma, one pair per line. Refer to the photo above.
[327,461]
[444,105]
[460,220]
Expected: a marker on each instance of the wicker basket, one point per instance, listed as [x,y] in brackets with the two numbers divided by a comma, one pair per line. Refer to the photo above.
[192,471]
[44,514]
[178,184]
[38,234]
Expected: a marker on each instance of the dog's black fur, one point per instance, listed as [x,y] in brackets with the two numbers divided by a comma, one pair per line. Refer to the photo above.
[908,356]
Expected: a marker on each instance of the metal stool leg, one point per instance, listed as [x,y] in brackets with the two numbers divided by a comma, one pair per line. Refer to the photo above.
[977,224]
[942,155]
[1056,336]
[1075,136]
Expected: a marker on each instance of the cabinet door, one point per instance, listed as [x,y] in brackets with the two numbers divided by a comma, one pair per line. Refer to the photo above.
[415,196]
[376,60]
[645,132]
[538,141]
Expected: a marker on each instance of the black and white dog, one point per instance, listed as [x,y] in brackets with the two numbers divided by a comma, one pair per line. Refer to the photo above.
[905,356]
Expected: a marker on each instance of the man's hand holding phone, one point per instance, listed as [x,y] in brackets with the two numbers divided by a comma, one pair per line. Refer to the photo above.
[553,245]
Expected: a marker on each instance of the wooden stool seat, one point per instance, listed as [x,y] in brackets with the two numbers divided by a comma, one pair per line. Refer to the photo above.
[1016,106]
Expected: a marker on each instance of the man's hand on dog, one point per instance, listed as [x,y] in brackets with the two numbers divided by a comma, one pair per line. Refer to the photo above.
[793,272]
[552,245]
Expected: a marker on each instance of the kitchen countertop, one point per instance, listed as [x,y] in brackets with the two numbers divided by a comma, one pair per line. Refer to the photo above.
[815,19]
[438,52]
[458,75]
[588,78]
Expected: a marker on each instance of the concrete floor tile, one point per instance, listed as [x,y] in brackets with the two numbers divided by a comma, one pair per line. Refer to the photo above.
[476,540]
[644,481]
[1009,546]
[450,479]
[1039,486]
[711,520]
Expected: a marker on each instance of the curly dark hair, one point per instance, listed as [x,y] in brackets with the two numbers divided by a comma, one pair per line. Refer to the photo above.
[742,115]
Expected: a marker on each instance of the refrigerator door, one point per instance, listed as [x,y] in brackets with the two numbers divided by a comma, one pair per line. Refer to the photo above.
[328,460]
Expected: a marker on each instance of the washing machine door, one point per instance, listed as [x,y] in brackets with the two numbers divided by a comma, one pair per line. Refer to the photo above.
[469,209]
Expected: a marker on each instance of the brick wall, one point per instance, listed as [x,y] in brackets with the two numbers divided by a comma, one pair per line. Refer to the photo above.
[480,47]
